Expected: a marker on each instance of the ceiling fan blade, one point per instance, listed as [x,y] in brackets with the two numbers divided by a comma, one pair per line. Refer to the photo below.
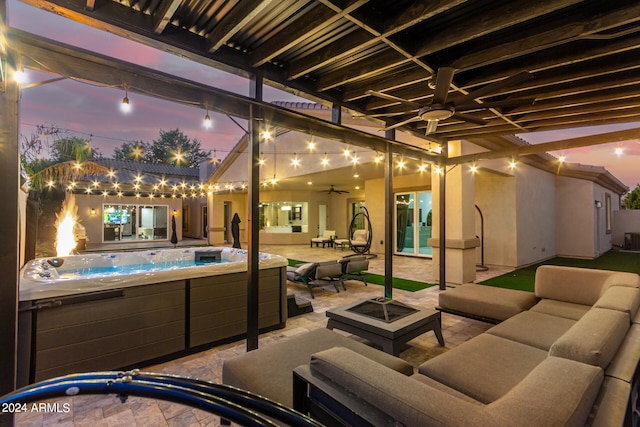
[499,85]
[413,119]
[505,103]
[469,118]
[373,116]
[432,125]
[392,98]
[443,81]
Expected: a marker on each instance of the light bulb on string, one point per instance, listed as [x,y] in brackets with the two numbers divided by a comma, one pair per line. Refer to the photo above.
[207,123]
[20,77]
[125,106]
[325,160]
[295,162]
[619,150]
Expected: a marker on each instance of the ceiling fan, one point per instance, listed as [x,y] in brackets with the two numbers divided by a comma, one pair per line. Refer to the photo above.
[333,190]
[439,110]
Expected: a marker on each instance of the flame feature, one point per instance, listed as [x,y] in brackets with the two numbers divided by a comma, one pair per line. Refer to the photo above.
[65,223]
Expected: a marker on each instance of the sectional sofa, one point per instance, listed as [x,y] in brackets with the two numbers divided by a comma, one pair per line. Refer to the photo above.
[570,360]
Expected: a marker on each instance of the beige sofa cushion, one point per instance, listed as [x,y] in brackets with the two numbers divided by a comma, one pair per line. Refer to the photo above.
[624,363]
[578,285]
[486,301]
[410,402]
[594,339]
[610,407]
[621,298]
[532,328]
[558,392]
[564,309]
[267,370]
[485,367]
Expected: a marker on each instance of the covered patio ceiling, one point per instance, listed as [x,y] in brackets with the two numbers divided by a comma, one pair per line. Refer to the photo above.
[506,66]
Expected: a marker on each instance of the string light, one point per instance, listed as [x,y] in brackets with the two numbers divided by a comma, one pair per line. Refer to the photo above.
[266,135]
[207,123]
[562,158]
[137,152]
[346,152]
[401,164]
[378,158]
[20,77]
[311,144]
[325,160]
[295,161]
[619,150]
[512,164]
[178,157]
[474,168]
[125,107]
[422,167]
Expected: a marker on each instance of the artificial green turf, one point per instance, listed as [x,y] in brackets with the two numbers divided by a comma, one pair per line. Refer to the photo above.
[377,279]
[523,278]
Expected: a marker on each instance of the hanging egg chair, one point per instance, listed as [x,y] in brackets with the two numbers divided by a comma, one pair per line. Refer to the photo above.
[360,232]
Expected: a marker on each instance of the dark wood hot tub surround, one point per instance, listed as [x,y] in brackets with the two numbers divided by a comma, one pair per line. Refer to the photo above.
[132,327]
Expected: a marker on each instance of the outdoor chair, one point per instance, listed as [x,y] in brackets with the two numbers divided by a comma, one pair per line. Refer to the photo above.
[355,268]
[327,238]
[327,273]
[360,241]
[301,273]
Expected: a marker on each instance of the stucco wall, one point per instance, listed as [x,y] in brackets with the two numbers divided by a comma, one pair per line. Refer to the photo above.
[625,221]
[496,198]
[536,213]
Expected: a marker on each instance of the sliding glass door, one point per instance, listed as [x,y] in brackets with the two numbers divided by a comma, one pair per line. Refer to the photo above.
[413,223]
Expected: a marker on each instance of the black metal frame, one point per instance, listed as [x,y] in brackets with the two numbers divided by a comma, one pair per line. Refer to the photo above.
[230,403]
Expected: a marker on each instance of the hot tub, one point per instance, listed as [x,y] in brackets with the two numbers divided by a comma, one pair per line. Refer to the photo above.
[118,310]
[43,278]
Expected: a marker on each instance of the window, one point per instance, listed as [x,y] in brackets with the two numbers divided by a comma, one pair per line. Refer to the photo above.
[134,222]
[608,213]
[284,217]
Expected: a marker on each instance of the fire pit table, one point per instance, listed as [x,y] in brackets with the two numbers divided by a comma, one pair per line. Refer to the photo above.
[388,323]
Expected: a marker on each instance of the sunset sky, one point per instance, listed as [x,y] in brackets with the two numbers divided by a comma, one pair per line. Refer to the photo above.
[92,112]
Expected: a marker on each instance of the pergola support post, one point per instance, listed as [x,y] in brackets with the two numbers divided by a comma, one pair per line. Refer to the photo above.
[9,226]
[253,235]
[388,216]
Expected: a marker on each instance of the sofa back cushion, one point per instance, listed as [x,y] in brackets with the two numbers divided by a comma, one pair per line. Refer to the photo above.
[558,392]
[621,298]
[578,285]
[594,339]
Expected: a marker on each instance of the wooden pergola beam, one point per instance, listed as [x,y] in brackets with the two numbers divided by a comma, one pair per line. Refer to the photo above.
[565,144]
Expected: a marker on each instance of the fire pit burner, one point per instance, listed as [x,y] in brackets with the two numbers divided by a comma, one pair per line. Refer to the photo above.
[382,309]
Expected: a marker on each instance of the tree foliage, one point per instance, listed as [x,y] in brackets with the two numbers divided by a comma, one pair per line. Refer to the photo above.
[73,149]
[172,147]
[632,199]
[137,150]
[65,152]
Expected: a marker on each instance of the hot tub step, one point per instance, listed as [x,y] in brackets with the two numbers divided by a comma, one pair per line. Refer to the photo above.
[295,308]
